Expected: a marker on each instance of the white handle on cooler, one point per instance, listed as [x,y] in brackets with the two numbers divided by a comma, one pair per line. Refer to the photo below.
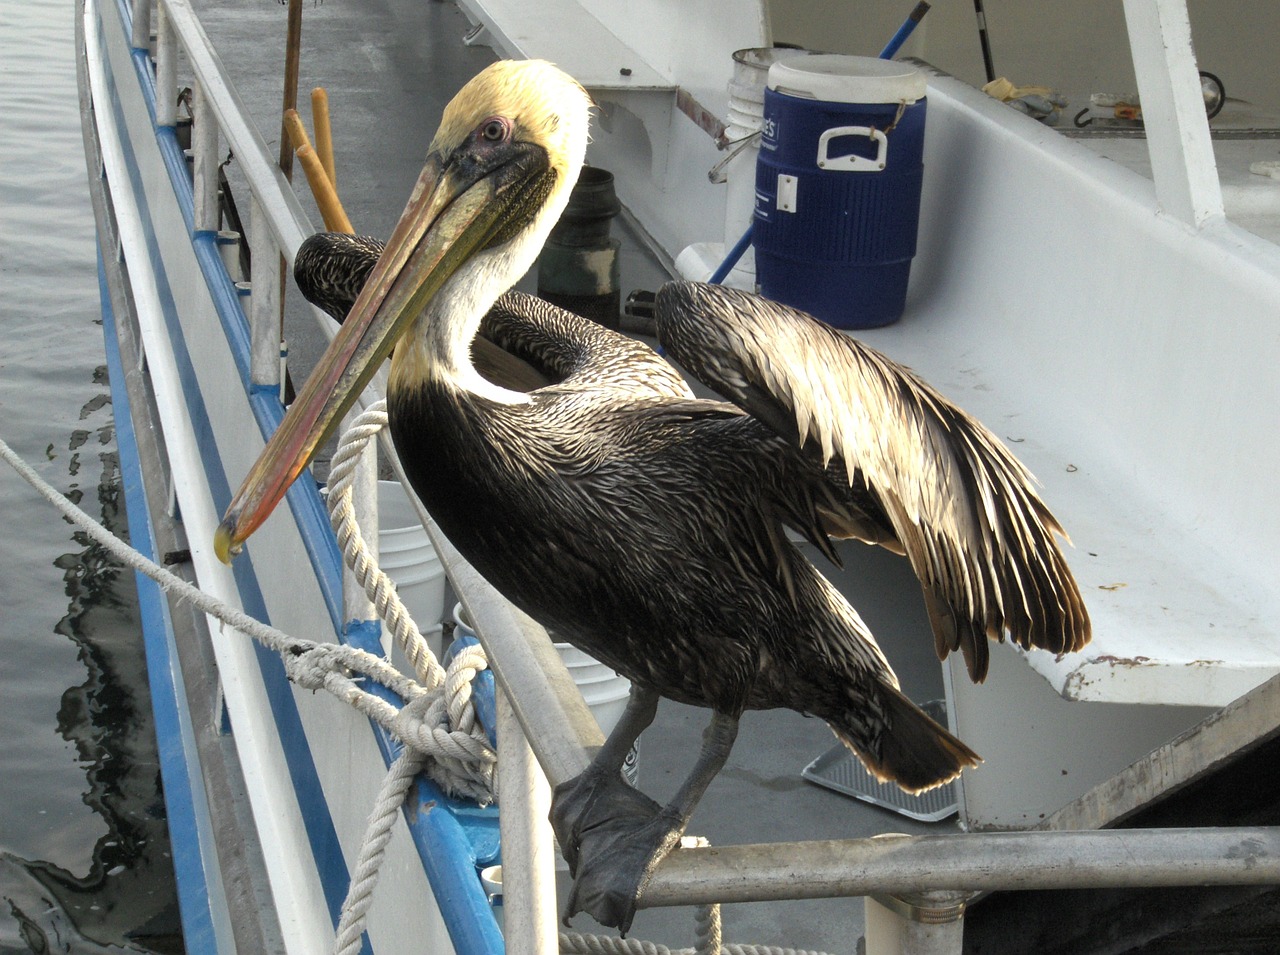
[853,163]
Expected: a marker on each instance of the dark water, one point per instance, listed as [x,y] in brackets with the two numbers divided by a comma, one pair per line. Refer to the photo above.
[84,852]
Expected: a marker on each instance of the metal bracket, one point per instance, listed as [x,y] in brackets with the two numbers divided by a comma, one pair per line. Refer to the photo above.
[927,908]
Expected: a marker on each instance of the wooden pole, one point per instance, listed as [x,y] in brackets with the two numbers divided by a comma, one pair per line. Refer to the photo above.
[335,217]
[324,135]
[292,53]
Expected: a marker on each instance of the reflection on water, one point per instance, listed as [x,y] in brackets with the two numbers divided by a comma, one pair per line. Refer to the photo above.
[124,901]
[84,855]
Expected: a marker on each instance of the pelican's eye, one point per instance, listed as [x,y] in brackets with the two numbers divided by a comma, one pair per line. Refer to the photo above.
[495,130]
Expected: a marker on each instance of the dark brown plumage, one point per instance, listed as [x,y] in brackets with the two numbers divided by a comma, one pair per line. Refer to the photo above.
[332,267]
[658,469]
[648,527]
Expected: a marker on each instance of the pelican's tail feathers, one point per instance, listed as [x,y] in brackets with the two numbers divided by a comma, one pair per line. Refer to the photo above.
[908,749]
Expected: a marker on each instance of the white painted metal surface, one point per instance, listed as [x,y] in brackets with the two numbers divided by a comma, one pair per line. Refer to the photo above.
[589,50]
[1249,722]
[1109,344]
[1173,110]
[1126,358]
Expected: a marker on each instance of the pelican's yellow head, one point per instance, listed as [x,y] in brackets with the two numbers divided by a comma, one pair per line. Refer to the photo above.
[497,177]
[541,104]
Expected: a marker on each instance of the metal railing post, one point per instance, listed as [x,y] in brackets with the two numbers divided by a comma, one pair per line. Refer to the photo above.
[140,34]
[1173,113]
[528,850]
[264,310]
[204,155]
[927,923]
[166,69]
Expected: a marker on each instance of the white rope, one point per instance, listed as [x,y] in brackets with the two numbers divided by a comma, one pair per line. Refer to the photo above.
[380,589]
[460,757]
[372,850]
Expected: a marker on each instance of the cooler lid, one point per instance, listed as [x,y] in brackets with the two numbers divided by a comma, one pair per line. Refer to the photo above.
[837,78]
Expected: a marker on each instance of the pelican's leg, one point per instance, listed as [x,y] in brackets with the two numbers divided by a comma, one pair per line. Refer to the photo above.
[575,802]
[619,849]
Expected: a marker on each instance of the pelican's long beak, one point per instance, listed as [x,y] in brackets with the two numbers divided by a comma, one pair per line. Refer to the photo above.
[450,215]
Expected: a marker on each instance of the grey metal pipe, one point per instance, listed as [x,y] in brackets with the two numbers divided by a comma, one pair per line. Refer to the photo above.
[264,310]
[166,69]
[140,28]
[528,850]
[896,865]
[204,154]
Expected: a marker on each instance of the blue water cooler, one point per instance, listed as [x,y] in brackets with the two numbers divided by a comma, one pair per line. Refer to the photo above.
[838,186]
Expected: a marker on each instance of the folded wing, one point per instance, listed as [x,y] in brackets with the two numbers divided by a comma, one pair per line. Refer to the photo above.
[964,510]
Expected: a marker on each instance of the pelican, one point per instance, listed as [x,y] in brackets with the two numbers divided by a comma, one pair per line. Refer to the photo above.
[647,526]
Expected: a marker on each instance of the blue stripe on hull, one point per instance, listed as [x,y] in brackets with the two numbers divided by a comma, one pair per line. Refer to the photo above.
[184,796]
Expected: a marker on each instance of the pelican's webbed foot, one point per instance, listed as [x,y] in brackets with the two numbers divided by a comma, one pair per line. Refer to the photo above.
[613,837]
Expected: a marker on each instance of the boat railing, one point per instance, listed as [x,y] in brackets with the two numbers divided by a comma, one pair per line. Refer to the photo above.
[540,695]
[547,733]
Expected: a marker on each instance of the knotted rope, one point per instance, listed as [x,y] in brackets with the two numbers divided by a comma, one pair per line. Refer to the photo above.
[464,762]
[461,758]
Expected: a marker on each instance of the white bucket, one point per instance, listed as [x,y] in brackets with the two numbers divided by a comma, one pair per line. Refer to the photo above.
[407,557]
[746,116]
[603,688]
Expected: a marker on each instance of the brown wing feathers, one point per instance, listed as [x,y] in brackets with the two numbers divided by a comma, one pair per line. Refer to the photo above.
[964,510]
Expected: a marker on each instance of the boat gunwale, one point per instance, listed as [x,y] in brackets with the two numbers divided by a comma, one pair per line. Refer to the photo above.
[464,834]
